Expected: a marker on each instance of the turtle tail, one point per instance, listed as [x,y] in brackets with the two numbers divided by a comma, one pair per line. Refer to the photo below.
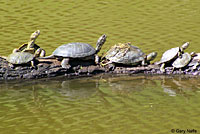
[47,57]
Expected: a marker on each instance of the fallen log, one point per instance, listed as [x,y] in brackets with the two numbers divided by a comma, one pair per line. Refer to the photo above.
[51,68]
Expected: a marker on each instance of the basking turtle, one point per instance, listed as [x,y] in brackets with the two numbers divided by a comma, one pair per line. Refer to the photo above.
[77,50]
[31,47]
[171,54]
[22,58]
[128,54]
[182,61]
[195,61]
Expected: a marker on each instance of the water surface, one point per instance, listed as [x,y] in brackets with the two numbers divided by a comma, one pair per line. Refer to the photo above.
[104,104]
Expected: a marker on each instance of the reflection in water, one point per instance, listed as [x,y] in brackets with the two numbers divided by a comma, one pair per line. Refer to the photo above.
[83,88]
[126,84]
[78,89]
[179,85]
[98,104]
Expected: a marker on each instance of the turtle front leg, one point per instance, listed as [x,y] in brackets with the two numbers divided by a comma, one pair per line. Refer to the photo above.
[97,59]
[33,64]
[144,62]
[111,66]
[65,63]
[180,54]
[162,68]
[42,53]
[15,50]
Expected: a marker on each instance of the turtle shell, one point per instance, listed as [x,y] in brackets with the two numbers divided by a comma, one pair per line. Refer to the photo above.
[182,61]
[20,57]
[169,55]
[125,54]
[74,50]
[193,62]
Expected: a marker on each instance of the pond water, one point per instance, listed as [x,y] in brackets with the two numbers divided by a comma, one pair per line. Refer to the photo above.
[101,104]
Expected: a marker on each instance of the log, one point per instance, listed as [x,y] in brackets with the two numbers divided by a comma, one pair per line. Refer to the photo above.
[46,68]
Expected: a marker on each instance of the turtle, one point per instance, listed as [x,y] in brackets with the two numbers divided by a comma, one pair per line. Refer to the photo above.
[77,50]
[195,61]
[31,47]
[22,58]
[182,61]
[171,54]
[127,54]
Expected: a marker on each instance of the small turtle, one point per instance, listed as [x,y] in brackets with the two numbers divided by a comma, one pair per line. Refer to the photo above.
[21,58]
[77,50]
[195,61]
[182,61]
[171,55]
[31,47]
[128,54]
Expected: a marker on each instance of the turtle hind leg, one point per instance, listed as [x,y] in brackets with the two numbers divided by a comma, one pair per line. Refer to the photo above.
[33,64]
[11,65]
[65,63]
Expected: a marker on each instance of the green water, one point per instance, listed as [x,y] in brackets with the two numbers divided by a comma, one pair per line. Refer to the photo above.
[101,104]
[104,104]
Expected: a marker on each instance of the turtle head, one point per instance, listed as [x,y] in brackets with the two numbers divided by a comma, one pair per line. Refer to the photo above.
[185,45]
[100,42]
[193,54]
[35,35]
[151,56]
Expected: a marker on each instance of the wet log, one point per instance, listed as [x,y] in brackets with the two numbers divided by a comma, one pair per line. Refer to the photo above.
[46,68]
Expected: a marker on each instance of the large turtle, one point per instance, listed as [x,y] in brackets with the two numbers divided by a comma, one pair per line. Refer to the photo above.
[31,47]
[127,54]
[171,54]
[77,50]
